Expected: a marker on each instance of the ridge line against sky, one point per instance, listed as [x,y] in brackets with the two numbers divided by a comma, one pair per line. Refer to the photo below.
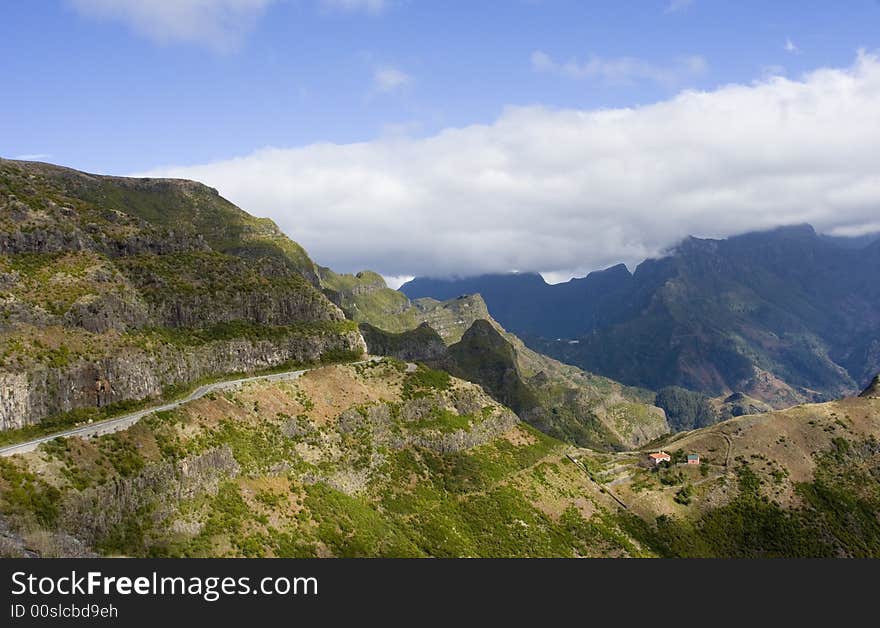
[419,137]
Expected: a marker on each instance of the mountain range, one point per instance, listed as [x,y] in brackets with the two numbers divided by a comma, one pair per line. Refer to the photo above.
[783,316]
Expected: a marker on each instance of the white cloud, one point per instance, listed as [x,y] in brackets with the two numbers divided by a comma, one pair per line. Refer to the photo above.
[368,6]
[675,6]
[621,69]
[395,281]
[217,24]
[564,191]
[33,157]
[387,79]
[791,47]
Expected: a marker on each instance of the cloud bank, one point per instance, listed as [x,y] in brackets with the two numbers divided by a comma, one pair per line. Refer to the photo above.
[566,191]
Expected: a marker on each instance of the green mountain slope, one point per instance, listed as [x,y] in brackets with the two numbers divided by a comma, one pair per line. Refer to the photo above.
[114,290]
[366,298]
[802,482]
[558,399]
[366,460]
[380,460]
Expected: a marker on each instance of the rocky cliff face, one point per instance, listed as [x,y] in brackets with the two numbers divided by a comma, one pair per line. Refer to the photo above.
[112,289]
[98,511]
[136,374]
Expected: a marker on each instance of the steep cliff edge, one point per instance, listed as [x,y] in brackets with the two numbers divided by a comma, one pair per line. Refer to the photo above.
[113,289]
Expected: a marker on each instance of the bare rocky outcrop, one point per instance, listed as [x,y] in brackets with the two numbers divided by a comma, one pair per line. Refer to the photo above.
[460,440]
[14,400]
[101,313]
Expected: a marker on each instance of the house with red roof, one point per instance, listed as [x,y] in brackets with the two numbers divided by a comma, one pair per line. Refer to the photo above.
[660,456]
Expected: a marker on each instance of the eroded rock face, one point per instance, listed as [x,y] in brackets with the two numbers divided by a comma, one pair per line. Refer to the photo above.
[26,398]
[14,400]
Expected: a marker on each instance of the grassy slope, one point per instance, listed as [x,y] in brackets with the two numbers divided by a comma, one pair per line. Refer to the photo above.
[798,482]
[323,469]
[560,400]
[175,205]
[345,462]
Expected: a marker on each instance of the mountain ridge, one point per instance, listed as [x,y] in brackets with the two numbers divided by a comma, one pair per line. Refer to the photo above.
[116,290]
[784,316]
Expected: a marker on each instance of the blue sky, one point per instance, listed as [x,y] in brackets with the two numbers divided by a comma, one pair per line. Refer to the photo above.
[94,93]
[174,86]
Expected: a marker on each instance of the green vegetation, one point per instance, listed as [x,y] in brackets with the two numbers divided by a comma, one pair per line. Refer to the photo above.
[366,299]
[685,409]
[234,330]
[684,494]
[289,492]
[424,381]
[26,497]
[839,517]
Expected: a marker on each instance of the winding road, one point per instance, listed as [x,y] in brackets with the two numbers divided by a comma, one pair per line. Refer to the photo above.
[125,421]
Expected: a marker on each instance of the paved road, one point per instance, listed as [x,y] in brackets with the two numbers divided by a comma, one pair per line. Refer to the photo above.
[127,420]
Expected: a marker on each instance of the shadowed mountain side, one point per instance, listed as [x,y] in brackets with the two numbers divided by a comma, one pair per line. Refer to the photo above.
[783,316]
[421,344]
